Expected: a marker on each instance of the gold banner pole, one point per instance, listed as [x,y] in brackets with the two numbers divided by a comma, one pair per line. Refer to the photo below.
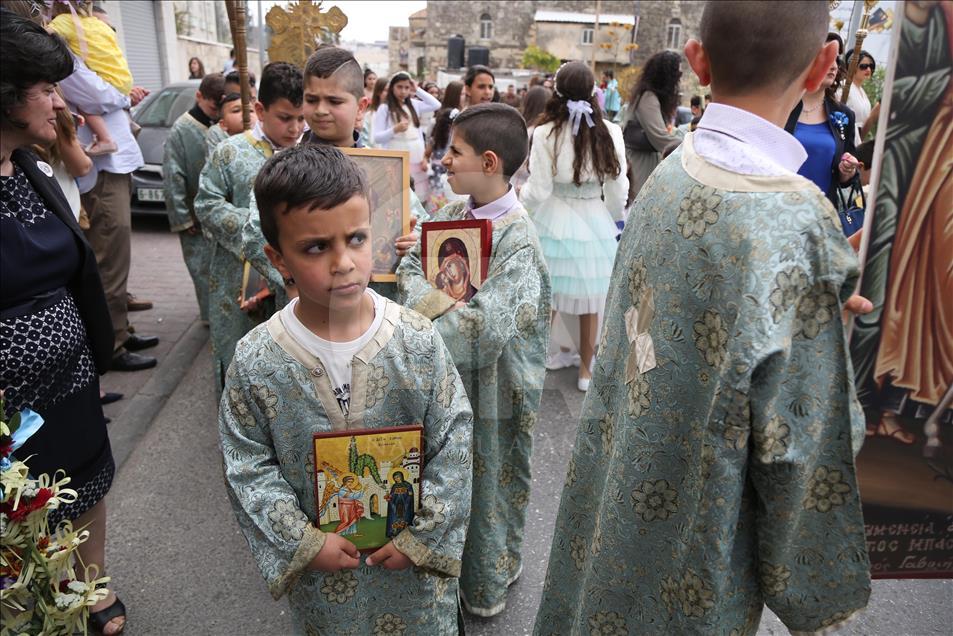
[237,21]
[855,58]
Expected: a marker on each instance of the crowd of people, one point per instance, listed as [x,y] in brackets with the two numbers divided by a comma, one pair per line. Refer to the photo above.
[695,494]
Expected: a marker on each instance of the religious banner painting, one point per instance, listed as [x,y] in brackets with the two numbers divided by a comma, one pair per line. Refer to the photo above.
[902,351]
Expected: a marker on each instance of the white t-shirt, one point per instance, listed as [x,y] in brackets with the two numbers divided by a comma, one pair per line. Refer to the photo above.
[335,356]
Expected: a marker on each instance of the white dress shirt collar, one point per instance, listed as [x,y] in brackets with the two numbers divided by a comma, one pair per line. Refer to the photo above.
[742,142]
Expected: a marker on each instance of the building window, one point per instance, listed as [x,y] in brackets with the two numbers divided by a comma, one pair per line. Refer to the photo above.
[587,33]
[486,27]
[674,37]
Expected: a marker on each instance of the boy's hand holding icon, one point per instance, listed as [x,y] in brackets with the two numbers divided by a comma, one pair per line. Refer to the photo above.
[407,241]
[336,554]
[390,558]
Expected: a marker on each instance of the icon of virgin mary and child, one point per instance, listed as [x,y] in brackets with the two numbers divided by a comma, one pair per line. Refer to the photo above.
[400,505]
[453,275]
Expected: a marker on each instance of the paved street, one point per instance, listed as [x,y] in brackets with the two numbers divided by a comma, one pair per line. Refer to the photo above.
[174,549]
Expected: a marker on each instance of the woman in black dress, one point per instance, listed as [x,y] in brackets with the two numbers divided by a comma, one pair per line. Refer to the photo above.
[55,333]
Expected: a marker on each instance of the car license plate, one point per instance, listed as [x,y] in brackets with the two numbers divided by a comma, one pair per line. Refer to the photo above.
[151,194]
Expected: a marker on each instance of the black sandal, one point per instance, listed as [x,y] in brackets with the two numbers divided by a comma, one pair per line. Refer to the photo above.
[100,619]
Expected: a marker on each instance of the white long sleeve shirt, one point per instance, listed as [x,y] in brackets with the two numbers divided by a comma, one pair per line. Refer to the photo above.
[87,92]
[384,125]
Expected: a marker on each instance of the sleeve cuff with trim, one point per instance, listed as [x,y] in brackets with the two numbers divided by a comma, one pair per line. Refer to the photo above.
[424,557]
[434,304]
[311,543]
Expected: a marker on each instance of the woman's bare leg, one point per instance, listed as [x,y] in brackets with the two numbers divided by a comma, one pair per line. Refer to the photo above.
[587,343]
[93,552]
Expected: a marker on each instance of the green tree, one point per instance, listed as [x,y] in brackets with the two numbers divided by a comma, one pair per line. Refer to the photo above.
[536,58]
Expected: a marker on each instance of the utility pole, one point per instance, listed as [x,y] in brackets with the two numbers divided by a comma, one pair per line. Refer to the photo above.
[595,38]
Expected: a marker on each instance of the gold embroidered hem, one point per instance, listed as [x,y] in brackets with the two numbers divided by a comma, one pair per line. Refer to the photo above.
[311,544]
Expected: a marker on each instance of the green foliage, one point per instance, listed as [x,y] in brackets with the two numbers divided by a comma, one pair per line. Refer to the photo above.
[874,87]
[357,464]
[536,58]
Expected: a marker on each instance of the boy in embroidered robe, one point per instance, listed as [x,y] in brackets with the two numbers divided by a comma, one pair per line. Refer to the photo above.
[181,166]
[333,102]
[340,357]
[498,341]
[231,125]
[713,470]
[225,190]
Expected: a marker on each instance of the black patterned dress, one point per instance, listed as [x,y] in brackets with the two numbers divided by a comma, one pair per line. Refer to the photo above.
[45,359]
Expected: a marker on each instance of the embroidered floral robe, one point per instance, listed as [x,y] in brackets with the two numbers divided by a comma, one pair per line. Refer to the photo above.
[253,247]
[717,474]
[277,395]
[222,207]
[498,343]
[181,166]
[216,135]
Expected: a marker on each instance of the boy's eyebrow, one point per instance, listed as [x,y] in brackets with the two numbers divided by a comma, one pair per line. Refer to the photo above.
[326,237]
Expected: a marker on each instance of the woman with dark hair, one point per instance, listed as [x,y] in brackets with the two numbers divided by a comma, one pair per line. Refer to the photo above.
[576,192]
[649,113]
[452,104]
[533,106]
[857,99]
[196,68]
[826,130]
[370,79]
[397,125]
[55,330]
[378,97]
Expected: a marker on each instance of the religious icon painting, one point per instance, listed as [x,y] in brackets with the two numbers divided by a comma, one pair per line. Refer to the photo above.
[388,180]
[902,351]
[254,285]
[367,482]
[456,255]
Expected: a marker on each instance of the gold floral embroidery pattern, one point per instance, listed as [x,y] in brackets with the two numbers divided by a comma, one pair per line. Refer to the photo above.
[414,320]
[639,396]
[526,317]
[579,551]
[655,500]
[814,310]
[607,624]
[774,578]
[287,521]
[339,587]
[637,276]
[389,625]
[240,409]
[471,326]
[772,440]
[788,287]
[695,596]
[826,490]
[697,212]
[606,425]
[377,382]
[267,400]
[711,337]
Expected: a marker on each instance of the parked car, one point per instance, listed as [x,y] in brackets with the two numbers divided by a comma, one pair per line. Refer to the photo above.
[155,115]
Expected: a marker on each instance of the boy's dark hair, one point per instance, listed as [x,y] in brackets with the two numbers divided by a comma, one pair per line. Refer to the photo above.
[477,69]
[318,175]
[331,61]
[213,87]
[281,80]
[757,45]
[28,55]
[696,101]
[234,77]
[498,128]
[229,97]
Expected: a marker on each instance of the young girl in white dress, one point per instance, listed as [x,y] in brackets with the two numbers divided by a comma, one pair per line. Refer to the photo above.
[397,125]
[576,192]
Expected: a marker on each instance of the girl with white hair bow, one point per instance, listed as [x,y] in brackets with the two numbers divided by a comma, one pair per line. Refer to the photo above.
[575,193]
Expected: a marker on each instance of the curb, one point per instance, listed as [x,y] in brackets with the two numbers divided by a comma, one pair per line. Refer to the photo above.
[126,430]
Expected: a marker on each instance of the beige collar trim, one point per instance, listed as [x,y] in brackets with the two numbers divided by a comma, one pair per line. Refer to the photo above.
[319,375]
[721,179]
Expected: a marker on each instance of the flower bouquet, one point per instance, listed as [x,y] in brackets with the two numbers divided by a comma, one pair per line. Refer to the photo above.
[44,586]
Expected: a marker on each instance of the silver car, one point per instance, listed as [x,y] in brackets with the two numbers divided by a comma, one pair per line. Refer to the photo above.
[155,115]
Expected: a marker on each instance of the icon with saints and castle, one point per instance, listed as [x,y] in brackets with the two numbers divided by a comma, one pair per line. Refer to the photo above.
[367,483]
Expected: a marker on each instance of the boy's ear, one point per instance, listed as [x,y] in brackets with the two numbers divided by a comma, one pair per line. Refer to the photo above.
[278,261]
[259,110]
[362,105]
[698,59]
[817,71]
[492,163]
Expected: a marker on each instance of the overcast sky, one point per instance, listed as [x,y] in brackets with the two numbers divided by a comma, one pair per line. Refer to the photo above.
[367,20]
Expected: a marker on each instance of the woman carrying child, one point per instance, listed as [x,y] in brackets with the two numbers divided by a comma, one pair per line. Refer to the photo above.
[576,191]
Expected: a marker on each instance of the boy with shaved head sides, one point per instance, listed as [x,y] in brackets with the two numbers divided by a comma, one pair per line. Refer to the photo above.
[713,470]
